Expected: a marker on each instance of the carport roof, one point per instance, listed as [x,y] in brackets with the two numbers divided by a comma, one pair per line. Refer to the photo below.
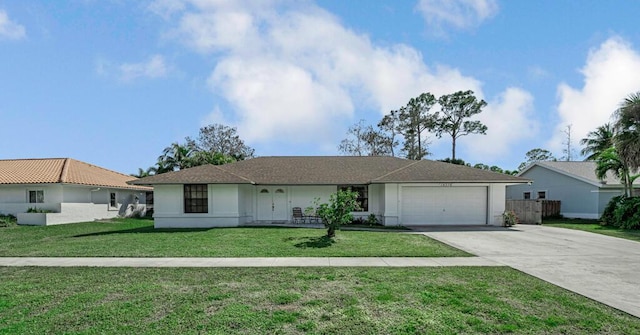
[328,170]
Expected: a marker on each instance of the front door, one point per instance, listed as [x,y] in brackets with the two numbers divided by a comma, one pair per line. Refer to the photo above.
[272,204]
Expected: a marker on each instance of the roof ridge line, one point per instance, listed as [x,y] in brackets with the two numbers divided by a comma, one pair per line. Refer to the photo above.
[396,170]
[64,172]
[219,167]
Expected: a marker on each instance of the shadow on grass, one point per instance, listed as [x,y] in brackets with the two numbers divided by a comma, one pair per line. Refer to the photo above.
[143,230]
[313,242]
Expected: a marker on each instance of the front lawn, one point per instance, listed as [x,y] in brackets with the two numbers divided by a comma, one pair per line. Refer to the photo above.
[593,226]
[138,238]
[296,301]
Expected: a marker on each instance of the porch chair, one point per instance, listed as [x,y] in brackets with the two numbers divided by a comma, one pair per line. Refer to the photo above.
[297,216]
[312,215]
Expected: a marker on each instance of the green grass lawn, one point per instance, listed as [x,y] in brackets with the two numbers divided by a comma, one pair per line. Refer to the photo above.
[138,238]
[296,301]
[593,226]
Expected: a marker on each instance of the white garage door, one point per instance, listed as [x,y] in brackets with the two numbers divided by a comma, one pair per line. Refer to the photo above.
[421,205]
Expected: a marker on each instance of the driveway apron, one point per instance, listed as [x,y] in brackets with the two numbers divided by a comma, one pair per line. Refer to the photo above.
[603,268]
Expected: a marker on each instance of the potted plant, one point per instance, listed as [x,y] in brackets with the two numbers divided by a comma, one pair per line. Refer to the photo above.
[509,218]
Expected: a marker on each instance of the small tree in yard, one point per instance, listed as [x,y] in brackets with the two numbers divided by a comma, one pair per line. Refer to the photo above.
[338,211]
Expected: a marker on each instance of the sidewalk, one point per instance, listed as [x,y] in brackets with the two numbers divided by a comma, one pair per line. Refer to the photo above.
[172,262]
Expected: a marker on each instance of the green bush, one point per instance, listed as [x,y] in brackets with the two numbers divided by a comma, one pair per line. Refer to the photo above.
[357,221]
[338,211]
[510,218]
[7,220]
[607,218]
[622,212]
[38,210]
[372,220]
[628,213]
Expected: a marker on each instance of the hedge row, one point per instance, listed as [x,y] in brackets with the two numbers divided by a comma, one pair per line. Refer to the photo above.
[622,212]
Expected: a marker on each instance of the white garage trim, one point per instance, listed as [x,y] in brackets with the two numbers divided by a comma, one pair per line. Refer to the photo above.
[443,205]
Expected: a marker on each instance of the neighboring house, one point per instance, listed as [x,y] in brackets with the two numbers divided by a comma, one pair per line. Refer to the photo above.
[265,189]
[72,191]
[581,193]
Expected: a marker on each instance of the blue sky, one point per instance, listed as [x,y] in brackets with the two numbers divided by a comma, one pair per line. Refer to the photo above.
[114,82]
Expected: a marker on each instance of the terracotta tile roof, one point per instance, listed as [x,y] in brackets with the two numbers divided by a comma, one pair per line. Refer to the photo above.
[62,170]
[328,170]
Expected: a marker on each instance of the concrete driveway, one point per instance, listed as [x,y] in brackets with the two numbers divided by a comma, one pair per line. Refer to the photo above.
[603,268]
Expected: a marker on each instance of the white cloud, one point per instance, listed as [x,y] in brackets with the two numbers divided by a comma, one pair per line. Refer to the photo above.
[9,29]
[292,73]
[459,14]
[537,72]
[155,67]
[165,8]
[610,75]
[510,121]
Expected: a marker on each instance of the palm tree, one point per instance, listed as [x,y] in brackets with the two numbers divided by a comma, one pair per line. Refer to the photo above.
[597,141]
[175,156]
[628,131]
[609,160]
[144,173]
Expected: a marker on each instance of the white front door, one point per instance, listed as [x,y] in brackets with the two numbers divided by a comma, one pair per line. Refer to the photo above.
[272,204]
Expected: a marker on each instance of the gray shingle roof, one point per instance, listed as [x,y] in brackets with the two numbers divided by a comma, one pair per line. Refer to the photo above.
[328,170]
[434,171]
[585,171]
[204,174]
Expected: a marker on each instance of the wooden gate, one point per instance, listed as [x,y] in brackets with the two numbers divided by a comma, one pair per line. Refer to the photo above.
[533,211]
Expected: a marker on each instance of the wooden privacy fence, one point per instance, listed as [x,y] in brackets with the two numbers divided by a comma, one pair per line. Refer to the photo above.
[533,211]
[550,208]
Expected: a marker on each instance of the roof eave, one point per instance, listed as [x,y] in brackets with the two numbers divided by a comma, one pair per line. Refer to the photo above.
[457,181]
[193,182]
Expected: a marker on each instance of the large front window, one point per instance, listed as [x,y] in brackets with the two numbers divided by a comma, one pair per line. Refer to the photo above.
[363,195]
[195,198]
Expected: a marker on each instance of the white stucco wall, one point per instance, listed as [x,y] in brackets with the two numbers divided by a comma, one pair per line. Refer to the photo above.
[231,205]
[496,203]
[391,215]
[14,199]
[70,213]
[223,205]
[305,196]
[246,194]
[69,203]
